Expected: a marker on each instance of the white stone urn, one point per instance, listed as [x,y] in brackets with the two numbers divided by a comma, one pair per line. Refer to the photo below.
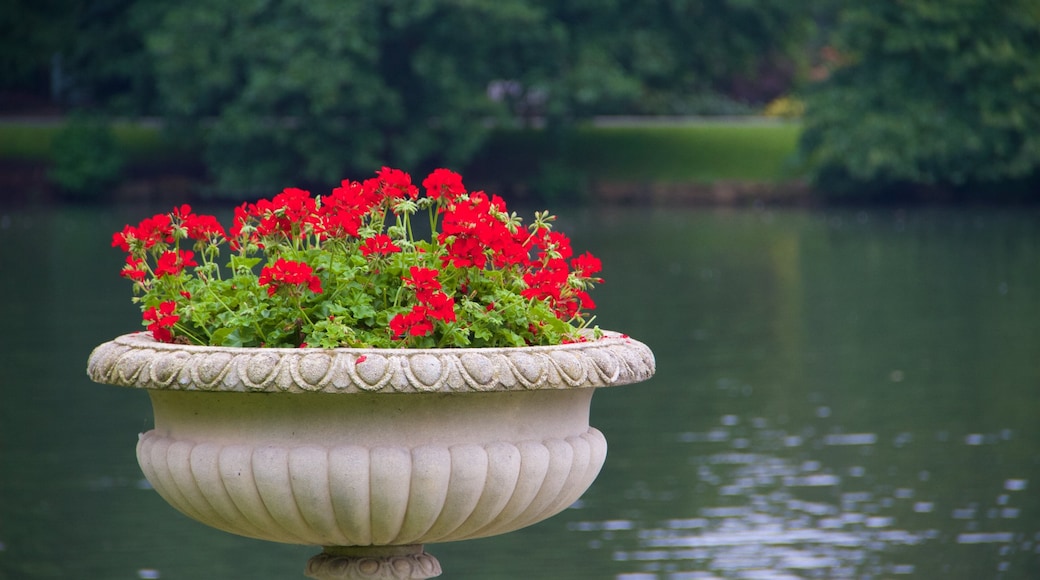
[370,453]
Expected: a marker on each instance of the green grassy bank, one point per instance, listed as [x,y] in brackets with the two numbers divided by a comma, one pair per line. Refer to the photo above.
[141,144]
[686,155]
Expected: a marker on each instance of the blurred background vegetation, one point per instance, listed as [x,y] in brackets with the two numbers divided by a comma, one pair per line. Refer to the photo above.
[932,98]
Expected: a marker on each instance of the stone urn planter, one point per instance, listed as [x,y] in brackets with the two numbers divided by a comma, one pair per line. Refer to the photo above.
[370,453]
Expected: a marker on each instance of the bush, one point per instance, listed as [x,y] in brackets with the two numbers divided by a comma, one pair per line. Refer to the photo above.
[86,159]
[928,95]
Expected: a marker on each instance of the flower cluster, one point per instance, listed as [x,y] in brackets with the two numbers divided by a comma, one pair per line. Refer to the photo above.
[350,269]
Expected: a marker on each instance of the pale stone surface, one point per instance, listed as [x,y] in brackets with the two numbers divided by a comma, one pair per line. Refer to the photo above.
[391,563]
[363,469]
[309,446]
[137,360]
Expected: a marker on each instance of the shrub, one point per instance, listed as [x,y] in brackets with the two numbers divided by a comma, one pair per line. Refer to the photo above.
[86,159]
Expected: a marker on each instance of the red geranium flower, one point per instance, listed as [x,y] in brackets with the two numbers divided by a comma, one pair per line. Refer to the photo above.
[174,262]
[546,283]
[396,183]
[424,280]
[124,238]
[162,320]
[134,269]
[586,265]
[203,227]
[415,323]
[379,244]
[288,273]
[444,183]
[154,230]
[440,306]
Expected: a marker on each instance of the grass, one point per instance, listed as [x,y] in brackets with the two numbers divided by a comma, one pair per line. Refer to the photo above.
[142,144]
[688,152]
[20,142]
[696,152]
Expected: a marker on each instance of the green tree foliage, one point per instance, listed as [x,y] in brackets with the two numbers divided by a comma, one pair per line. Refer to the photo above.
[935,93]
[87,159]
[667,56]
[82,53]
[308,89]
[290,91]
[31,33]
[105,59]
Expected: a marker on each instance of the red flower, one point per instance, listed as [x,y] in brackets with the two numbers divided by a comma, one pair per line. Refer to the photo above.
[341,212]
[162,320]
[134,269]
[475,229]
[379,244]
[553,245]
[444,183]
[424,280]
[288,273]
[291,214]
[173,262]
[574,303]
[124,238]
[464,252]
[203,227]
[415,323]
[440,306]
[546,283]
[154,230]
[586,265]
[238,230]
[395,183]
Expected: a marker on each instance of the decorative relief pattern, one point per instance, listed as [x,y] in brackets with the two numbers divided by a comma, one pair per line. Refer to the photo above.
[416,566]
[380,496]
[137,360]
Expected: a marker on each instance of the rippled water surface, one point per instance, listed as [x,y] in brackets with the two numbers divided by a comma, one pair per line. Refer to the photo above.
[840,394]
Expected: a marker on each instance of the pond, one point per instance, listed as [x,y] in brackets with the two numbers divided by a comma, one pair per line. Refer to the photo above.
[840,394]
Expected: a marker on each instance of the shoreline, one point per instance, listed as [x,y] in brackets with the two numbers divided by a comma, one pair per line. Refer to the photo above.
[26,182]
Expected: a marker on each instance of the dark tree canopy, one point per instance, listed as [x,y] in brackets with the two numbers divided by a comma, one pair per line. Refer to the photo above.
[297,90]
[939,93]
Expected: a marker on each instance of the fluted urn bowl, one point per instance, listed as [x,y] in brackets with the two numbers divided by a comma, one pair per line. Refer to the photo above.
[370,453]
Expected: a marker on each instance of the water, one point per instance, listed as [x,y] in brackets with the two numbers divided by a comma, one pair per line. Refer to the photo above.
[840,394]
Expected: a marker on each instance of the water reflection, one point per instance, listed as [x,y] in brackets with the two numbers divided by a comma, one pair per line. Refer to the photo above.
[776,515]
[841,394]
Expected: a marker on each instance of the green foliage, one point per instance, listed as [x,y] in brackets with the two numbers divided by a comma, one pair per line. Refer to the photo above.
[82,53]
[31,32]
[308,90]
[311,89]
[346,269]
[107,66]
[86,158]
[664,57]
[928,93]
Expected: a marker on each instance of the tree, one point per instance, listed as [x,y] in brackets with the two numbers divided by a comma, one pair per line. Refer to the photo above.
[78,53]
[934,93]
[304,89]
[311,89]
[660,57]
[32,32]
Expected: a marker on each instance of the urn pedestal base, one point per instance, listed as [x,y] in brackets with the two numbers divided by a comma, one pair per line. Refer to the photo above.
[373,563]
